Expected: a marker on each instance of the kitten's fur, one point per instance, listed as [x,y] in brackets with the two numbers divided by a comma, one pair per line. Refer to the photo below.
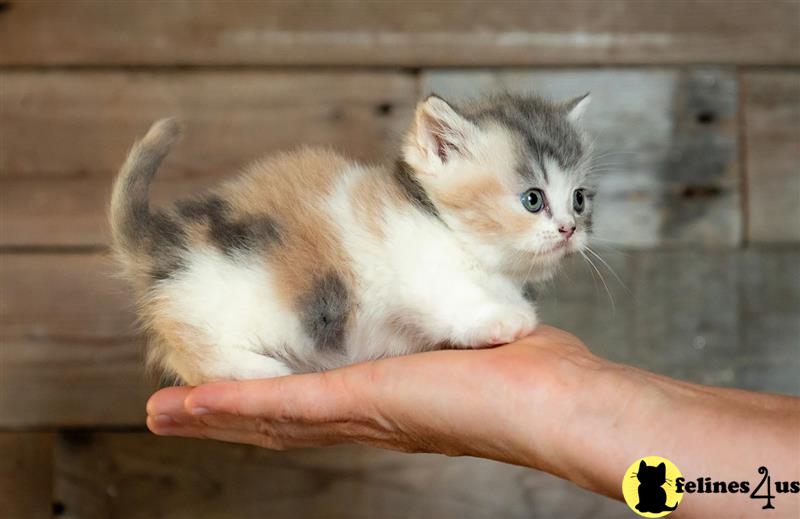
[310,261]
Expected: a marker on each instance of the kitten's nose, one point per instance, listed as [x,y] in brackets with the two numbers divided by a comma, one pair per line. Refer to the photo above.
[567,230]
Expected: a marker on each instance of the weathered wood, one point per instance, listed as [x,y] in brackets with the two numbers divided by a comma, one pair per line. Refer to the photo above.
[772,144]
[68,353]
[128,476]
[686,315]
[72,211]
[420,34]
[596,305]
[82,123]
[769,350]
[65,134]
[666,146]
[26,475]
[720,318]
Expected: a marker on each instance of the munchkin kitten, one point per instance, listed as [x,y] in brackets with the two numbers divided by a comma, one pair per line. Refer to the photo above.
[309,261]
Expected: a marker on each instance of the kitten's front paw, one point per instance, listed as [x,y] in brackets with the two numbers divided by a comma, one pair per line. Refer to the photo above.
[499,326]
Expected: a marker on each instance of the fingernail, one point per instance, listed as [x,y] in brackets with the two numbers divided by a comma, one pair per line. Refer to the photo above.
[164,420]
[199,410]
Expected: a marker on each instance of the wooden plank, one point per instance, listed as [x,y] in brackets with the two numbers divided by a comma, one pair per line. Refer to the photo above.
[26,475]
[79,124]
[666,146]
[418,34]
[132,475]
[595,305]
[72,211]
[768,358]
[65,134]
[686,315]
[723,318]
[68,353]
[772,140]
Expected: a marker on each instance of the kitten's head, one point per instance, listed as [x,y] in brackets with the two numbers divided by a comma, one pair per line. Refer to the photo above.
[508,174]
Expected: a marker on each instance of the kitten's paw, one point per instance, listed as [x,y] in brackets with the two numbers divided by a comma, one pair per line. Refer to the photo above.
[500,326]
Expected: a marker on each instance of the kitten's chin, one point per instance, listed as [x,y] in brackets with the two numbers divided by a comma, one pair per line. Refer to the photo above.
[539,266]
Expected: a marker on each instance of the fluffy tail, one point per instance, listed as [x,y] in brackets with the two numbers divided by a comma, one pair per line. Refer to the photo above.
[130,217]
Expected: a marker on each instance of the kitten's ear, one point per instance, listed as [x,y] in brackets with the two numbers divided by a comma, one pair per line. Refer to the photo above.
[577,107]
[439,131]
[662,468]
[642,465]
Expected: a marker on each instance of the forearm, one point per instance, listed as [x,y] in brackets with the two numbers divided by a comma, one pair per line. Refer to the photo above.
[619,414]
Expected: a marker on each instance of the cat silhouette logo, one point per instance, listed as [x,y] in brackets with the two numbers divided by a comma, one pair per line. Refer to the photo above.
[649,486]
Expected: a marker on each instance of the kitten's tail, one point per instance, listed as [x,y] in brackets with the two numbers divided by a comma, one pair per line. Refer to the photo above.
[130,217]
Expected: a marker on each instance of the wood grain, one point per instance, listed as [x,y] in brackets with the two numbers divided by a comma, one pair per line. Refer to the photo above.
[68,352]
[65,134]
[26,475]
[665,144]
[772,140]
[408,34]
[127,476]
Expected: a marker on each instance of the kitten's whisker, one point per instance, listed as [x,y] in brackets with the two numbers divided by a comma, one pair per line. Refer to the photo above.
[602,280]
[613,153]
[594,279]
[596,255]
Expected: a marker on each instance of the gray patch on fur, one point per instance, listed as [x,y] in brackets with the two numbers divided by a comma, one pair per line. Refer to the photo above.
[325,310]
[529,292]
[231,234]
[541,125]
[412,189]
[165,243]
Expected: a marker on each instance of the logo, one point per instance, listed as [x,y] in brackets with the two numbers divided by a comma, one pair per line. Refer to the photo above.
[654,487]
[649,486]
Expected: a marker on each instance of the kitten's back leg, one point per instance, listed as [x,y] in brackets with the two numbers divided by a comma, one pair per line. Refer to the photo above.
[230,365]
[183,352]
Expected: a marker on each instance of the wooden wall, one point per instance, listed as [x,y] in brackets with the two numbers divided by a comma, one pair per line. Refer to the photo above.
[696,110]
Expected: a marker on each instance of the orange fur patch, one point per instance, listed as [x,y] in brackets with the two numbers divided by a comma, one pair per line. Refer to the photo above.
[291,188]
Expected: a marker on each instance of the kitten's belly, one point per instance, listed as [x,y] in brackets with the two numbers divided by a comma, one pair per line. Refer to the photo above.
[235,314]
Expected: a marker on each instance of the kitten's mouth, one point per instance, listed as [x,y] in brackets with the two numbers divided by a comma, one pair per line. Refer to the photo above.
[558,247]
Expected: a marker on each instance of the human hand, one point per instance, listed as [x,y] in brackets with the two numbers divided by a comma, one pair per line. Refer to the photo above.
[486,403]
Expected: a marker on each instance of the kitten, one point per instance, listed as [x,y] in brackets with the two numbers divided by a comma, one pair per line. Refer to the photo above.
[309,261]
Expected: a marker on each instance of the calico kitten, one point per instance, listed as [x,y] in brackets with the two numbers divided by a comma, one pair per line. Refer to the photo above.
[309,261]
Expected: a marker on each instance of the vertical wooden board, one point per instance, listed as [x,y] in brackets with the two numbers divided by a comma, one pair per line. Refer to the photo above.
[68,351]
[665,146]
[129,475]
[686,316]
[26,475]
[772,144]
[768,358]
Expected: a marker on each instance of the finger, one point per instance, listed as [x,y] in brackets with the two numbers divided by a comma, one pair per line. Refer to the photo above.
[317,397]
[168,405]
[279,437]
[199,431]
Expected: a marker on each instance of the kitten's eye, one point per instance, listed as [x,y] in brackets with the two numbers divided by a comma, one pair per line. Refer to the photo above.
[533,200]
[578,201]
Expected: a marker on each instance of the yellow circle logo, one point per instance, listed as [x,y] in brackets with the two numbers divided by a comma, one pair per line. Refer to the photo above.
[649,486]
